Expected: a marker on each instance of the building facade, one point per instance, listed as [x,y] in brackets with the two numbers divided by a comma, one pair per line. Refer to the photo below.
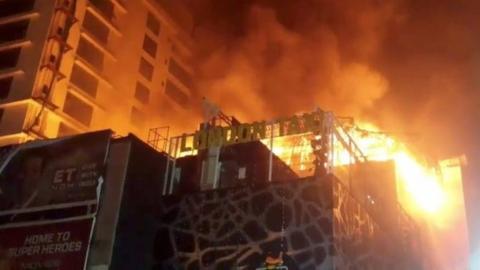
[71,66]
[111,202]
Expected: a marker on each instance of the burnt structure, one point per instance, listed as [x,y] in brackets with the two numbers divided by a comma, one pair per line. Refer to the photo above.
[311,223]
[329,221]
[239,164]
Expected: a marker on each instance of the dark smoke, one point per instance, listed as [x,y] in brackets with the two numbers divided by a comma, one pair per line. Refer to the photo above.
[409,66]
[272,59]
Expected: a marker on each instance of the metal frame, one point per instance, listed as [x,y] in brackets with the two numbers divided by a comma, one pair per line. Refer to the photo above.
[332,129]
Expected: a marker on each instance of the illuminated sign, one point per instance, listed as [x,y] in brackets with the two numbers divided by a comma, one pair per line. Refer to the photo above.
[220,136]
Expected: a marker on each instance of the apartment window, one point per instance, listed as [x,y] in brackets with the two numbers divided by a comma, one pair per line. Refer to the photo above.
[9,58]
[95,27]
[12,7]
[137,117]
[150,46]
[105,6]
[78,109]
[5,85]
[142,93]
[176,94]
[90,53]
[146,69]
[13,31]
[64,130]
[180,73]
[153,24]
[84,80]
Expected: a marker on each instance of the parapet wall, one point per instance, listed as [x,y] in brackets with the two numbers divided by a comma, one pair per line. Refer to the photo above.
[309,224]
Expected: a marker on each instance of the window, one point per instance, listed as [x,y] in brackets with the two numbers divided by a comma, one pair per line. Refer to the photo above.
[142,93]
[13,31]
[5,85]
[180,73]
[64,130]
[9,58]
[78,109]
[146,69]
[150,46]
[84,80]
[95,27]
[138,118]
[176,94]
[105,6]
[153,24]
[90,53]
[12,7]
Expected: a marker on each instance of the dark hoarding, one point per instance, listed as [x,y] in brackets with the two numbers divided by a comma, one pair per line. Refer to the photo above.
[49,174]
[55,246]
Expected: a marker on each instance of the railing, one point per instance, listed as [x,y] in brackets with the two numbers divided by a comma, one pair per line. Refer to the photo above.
[330,150]
[158,138]
[326,150]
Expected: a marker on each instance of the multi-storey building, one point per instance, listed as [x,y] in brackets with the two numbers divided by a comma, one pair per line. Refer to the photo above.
[70,66]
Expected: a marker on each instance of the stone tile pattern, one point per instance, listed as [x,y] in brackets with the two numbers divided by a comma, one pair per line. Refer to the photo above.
[360,243]
[315,223]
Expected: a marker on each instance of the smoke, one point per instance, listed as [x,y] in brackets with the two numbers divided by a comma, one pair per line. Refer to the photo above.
[275,68]
[430,62]
[408,66]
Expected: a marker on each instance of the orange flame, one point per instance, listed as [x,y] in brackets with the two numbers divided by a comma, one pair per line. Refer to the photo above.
[419,185]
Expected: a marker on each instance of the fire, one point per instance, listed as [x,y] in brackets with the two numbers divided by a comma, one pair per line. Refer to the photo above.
[431,193]
[295,151]
[419,184]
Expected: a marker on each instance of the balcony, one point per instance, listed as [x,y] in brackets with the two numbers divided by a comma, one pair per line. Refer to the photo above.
[105,7]
[83,80]
[96,28]
[120,5]
[85,97]
[9,58]
[104,15]
[11,72]
[92,70]
[15,44]
[13,8]
[89,52]
[19,17]
[98,44]
[13,31]
[180,73]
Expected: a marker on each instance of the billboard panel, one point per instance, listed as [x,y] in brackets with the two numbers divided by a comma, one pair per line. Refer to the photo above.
[54,246]
[47,174]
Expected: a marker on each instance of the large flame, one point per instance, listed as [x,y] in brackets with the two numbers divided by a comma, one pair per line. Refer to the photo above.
[431,193]
[419,185]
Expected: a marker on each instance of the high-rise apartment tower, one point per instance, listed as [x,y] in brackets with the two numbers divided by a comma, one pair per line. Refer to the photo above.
[70,66]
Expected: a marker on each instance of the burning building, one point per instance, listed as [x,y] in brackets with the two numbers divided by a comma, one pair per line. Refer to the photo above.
[71,66]
[295,193]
